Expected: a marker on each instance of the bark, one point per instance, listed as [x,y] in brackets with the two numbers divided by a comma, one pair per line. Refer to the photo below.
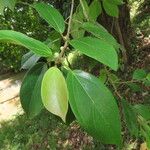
[120,28]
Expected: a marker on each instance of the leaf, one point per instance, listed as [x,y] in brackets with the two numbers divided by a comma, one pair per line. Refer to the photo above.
[95,10]
[145,130]
[85,8]
[54,41]
[6,3]
[30,92]
[130,118]
[103,76]
[134,87]
[100,32]
[143,110]
[29,60]
[110,8]
[139,74]
[97,49]
[94,107]
[21,39]
[77,20]
[116,2]
[148,77]
[51,15]
[54,93]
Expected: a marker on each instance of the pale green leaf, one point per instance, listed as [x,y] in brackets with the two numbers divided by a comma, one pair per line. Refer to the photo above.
[54,93]
[148,77]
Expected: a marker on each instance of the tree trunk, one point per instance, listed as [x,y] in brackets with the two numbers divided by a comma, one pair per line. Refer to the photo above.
[120,28]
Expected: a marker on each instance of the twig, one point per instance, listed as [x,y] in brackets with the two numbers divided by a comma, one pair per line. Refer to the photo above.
[66,38]
[126,82]
[113,85]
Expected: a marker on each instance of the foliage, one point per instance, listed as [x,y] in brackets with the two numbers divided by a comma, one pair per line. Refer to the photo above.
[61,85]
[23,19]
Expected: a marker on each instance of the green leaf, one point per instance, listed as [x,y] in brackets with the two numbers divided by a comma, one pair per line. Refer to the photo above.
[7,3]
[51,15]
[21,39]
[145,130]
[143,110]
[103,76]
[100,32]
[97,49]
[77,20]
[116,2]
[54,93]
[30,92]
[29,60]
[54,41]
[94,107]
[110,8]
[130,117]
[148,77]
[134,87]
[139,74]
[95,10]
[85,8]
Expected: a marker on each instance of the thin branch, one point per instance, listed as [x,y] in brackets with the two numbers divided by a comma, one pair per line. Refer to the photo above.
[66,38]
[126,82]
[113,85]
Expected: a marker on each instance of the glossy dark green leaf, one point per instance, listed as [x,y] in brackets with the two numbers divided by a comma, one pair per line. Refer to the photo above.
[111,8]
[21,39]
[97,49]
[143,110]
[94,107]
[100,32]
[51,15]
[95,10]
[54,93]
[29,60]
[7,3]
[30,92]
[130,118]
